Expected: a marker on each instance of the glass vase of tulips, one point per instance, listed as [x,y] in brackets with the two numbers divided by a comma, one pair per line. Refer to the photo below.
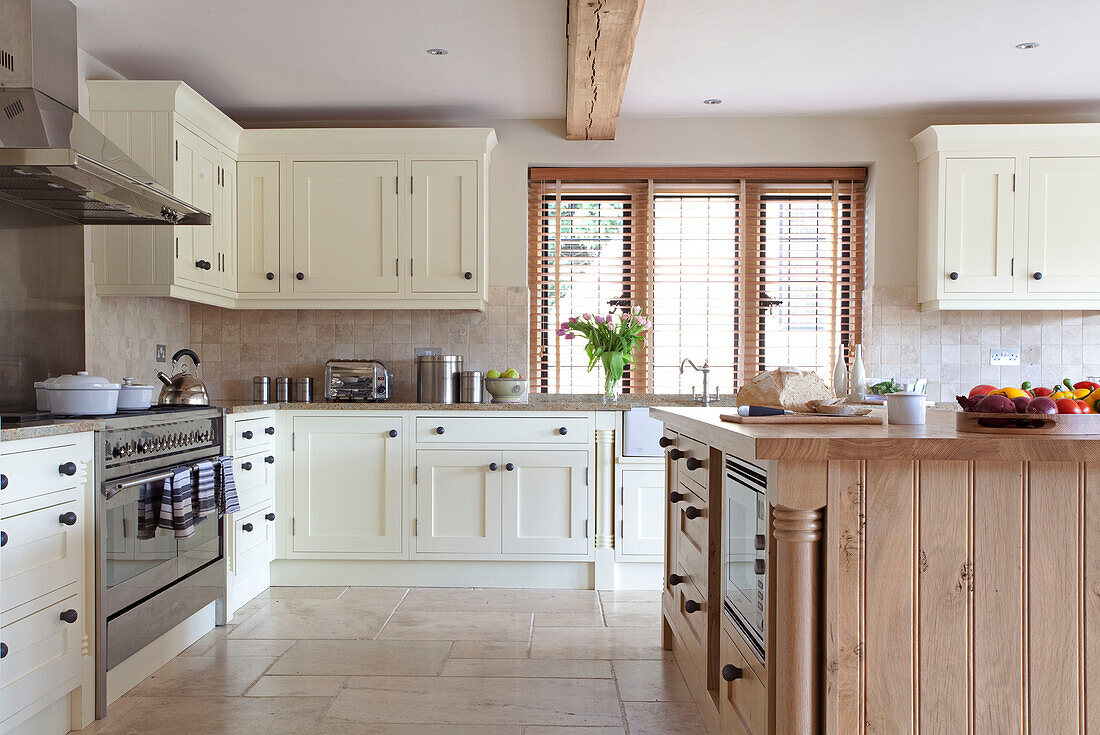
[613,341]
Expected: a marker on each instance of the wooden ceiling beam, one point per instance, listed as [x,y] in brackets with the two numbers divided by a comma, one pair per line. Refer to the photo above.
[600,36]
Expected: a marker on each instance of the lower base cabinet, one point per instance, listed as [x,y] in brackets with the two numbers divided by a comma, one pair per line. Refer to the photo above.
[743,704]
[458,502]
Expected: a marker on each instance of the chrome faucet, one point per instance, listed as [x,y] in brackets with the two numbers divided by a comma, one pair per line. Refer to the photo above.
[705,399]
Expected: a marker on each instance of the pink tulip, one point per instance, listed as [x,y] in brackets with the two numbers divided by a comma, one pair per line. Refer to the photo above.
[599,319]
[570,336]
[562,332]
[587,315]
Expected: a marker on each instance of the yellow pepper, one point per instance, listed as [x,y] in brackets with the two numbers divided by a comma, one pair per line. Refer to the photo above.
[1092,398]
[1077,395]
[1010,393]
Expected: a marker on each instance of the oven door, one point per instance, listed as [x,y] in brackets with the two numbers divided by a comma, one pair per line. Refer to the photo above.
[139,558]
[745,564]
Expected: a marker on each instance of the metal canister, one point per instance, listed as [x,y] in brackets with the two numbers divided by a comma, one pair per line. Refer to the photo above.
[469,386]
[282,390]
[436,378]
[303,390]
[261,389]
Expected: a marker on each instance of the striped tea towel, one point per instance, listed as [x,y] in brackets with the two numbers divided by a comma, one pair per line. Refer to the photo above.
[148,512]
[175,503]
[225,489]
[205,503]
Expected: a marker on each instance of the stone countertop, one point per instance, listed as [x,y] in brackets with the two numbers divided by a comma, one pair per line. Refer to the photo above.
[49,428]
[536,402]
[935,440]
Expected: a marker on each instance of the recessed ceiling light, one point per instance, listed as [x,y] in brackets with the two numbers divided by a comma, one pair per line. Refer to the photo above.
[712,101]
[1027,44]
[437,51]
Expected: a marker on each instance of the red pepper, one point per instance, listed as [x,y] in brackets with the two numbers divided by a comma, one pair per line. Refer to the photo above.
[1087,384]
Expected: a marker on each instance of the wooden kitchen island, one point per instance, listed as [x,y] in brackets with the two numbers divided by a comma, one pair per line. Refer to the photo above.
[918,579]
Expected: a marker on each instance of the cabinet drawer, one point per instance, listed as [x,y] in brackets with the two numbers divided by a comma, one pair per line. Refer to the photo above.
[255,478]
[43,652]
[250,435]
[255,546]
[692,537]
[695,462]
[692,626]
[42,554]
[744,701]
[503,430]
[41,471]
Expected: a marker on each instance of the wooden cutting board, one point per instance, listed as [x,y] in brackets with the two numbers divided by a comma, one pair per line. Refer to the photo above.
[803,418]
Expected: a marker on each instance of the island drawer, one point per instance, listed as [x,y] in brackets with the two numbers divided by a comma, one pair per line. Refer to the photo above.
[691,619]
[743,704]
[692,536]
[548,431]
[694,464]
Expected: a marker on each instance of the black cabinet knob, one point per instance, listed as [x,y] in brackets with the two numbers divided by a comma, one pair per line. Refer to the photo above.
[300,276]
[692,512]
[675,497]
[953,275]
[675,454]
[3,650]
[270,459]
[468,275]
[731,672]
[67,519]
[664,441]
[393,433]
[674,579]
[493,466]
[270,276]
[203,265]
[1037,276]
[3,482]
[692,606]
[69,468]
[247,528]
[246,466]
[246,434]
[758,567]
[69,616]
[759,541]
[509,466]
[694,463]
[269,430]
[3,538]
[270,516]
[439,430]
[563,431]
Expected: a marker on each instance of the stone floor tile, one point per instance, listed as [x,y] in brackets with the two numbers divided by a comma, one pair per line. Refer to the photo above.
[301,593]
[489,649]
[316,619]
[210,716]
[663,718]
[551,730]
[457,626]
[610,643]
[330,726]
[525,667]
[501,600]
[651,681]
[607,596]
[363,658]
[203,676]
[632,614]
[568,620]
[297,686]
[248,647]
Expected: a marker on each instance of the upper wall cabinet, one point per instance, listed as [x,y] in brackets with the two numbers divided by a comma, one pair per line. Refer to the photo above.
[371,218]
[189,147]
[1006,216]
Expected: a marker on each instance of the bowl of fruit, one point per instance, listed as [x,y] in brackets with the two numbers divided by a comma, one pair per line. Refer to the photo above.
[1067,408]
[507,386]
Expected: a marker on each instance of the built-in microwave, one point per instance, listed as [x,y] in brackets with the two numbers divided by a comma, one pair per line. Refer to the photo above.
[746,561]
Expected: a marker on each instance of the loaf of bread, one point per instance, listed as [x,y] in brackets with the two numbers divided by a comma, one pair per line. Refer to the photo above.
[787,387]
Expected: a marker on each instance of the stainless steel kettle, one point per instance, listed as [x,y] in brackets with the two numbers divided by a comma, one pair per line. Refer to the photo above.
[183,387]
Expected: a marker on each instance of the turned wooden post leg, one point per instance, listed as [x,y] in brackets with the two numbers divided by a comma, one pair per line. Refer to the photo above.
[795,653]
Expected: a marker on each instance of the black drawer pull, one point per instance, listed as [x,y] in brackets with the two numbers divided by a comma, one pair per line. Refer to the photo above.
[300,276]
[692,606]
[439,430]
[246,466]
[3,538]
[953,275]
[68,468]
[393,433]
[3,650]
[3,482]
[675,497]
[247,528]
[731,672]
[468,275]
[270,459]
[1038,276]
[270,516]
[693,463]
[759,567]
[563,431]
[493,466]
[675,454]
[664,441]
[67,519]
[509,466]
[674,579]
[759,541]
[68,616]
[246,434]
[692,512]
[270,276]
[269,430]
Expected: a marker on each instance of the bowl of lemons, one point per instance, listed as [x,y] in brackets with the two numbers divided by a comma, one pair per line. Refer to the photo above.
[507,386]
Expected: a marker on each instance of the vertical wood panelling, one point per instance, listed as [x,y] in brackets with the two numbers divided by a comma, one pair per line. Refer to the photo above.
[889,627]
[843,641]
[944,577]
[1053,597]
[998,599]
[1092,597]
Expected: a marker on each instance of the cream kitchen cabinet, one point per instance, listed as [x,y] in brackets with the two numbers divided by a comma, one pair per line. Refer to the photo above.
[544,502]
[458,501]
[642,498]
[346,485]
[1005,216]
[444,227]
[258,228]
[189,148]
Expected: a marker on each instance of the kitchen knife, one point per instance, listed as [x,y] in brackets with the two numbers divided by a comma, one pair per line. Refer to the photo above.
[761,411]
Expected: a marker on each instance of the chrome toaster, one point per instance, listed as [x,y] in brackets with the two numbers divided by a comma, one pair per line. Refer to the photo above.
[357,380]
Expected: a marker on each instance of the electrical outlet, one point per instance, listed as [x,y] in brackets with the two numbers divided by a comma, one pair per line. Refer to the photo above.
[1002,356]
[418,351]
[162,353]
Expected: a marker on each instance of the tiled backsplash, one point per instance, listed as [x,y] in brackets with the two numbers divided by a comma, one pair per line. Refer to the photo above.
[236,345]
[951,348]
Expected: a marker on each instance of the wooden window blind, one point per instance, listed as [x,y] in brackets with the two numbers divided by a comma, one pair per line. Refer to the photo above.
[749,268]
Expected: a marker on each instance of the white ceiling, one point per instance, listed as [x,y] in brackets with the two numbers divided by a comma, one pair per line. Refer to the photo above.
[300,60]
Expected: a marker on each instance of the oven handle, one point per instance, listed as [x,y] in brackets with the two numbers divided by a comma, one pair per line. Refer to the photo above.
[112,490]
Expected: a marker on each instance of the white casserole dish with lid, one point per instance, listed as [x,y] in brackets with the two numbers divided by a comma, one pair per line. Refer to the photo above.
[42,393]
[83,395]
[134,396]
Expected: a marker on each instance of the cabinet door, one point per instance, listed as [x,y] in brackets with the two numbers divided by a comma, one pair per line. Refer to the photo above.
[197,164]
[347,484]
[345,227]
[227,226]
[1064,230]
[444,226]
[544,502]
[458,501]
[642,531]
[258,227]
[978,232]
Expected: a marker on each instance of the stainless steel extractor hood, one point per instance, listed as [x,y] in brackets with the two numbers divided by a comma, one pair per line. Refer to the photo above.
[52,159]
